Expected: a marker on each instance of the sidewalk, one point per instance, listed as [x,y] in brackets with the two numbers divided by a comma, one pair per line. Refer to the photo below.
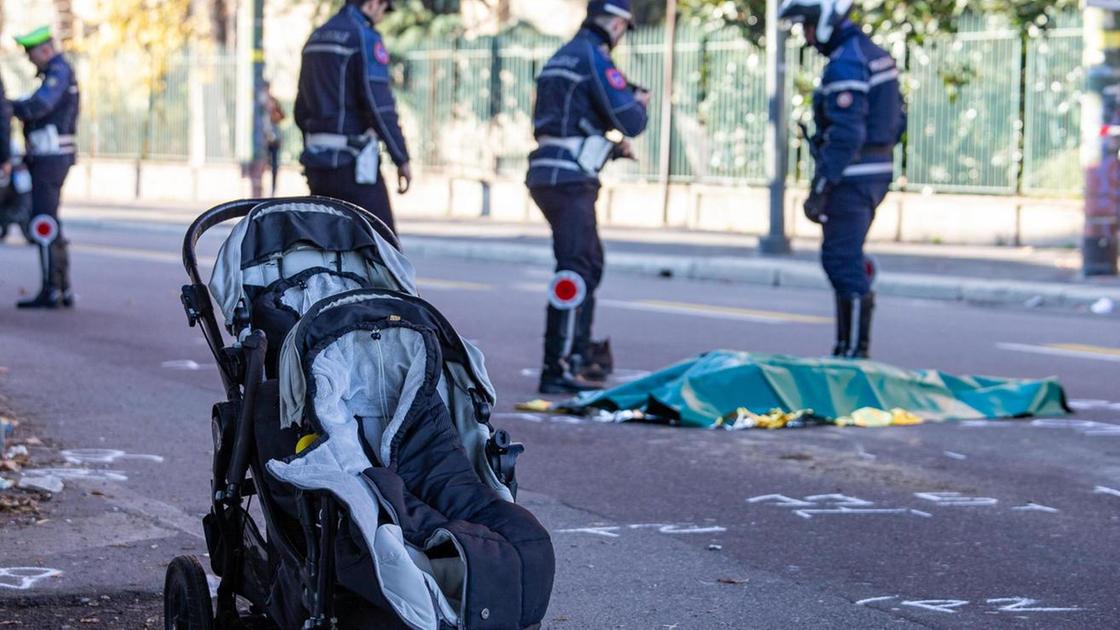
[990,275]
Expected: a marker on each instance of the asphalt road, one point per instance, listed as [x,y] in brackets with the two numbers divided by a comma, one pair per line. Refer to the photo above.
[975,525]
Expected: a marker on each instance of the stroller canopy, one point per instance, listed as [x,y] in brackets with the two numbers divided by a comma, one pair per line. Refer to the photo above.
[280,239]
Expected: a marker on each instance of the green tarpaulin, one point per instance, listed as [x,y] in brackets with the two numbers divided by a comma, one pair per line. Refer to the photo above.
[701,391]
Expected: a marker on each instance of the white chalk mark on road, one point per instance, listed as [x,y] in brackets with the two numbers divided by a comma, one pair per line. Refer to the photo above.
[1091,428]
[1106,490]
[956,499]
[1026,604]
[78,474]
[612,531]
[995,604]
[864,602]
[808,514]
[955,455]
[104,456]
[1090,405]
[831,504]
[23,578]
[938,605]
[181,364]
[1035,507]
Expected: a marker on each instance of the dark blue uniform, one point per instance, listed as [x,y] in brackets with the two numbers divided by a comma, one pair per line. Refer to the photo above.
[581,96]
[859,119]
[5,126]
[344,103]
[50,122]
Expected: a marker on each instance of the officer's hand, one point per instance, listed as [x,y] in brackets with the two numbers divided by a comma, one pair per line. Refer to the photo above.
[817,203]
[643,97]
[625,151]
[6,169]
[404,178]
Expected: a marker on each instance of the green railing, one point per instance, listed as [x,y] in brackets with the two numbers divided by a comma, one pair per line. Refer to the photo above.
[1012,127]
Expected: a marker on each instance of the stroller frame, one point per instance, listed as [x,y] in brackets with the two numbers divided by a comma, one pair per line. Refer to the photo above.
[238,552]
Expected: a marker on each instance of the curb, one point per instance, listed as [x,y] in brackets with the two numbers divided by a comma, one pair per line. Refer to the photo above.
[787,274]
[752,271]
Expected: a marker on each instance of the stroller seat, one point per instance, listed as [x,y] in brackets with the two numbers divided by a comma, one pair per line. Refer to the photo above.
[443,546]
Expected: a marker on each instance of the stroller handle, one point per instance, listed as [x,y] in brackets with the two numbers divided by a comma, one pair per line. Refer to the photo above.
[237,209]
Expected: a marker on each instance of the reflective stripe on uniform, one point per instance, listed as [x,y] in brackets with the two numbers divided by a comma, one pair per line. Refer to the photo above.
[330,48]
[883,77]
[561,73]
[567,165]
[875,168]
[845,86]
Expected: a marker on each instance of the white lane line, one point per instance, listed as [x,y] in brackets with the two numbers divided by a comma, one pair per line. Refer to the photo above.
[131,253]
[716,312]
[1055,351]
[437,284]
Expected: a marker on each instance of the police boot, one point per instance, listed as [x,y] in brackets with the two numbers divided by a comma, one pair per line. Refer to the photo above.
[556,374]
[49,297]
[844,305]
[60,270]
[866,306]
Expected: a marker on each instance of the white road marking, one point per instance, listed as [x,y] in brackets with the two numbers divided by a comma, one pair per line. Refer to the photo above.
[955,455]
[1078,352]
[147,255]
[715,312]
[451,285]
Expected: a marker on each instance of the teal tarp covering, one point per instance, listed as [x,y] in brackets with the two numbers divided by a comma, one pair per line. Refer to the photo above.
[701,391]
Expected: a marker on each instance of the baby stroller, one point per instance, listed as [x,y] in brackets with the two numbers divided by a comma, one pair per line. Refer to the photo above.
[359,419]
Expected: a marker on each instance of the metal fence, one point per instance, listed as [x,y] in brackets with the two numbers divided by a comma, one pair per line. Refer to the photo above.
[1013,127]
[466,104]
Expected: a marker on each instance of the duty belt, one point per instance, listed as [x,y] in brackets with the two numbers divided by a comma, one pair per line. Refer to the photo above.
[67,145]
[339,141]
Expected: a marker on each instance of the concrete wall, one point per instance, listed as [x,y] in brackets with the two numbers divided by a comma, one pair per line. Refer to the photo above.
[903,217]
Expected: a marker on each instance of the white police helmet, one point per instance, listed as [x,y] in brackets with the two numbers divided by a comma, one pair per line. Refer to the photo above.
[826,15]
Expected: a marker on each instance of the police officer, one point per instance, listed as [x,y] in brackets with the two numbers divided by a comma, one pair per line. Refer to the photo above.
[581,97]
[50,119]
[859,118]
[345,109]
[5,142]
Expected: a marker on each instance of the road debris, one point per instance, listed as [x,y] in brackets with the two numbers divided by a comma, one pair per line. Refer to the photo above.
[46,483]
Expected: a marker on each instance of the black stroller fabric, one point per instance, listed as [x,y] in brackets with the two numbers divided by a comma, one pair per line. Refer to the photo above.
[493,561]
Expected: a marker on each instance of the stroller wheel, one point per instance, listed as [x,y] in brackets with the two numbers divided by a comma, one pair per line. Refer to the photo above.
[186,596]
